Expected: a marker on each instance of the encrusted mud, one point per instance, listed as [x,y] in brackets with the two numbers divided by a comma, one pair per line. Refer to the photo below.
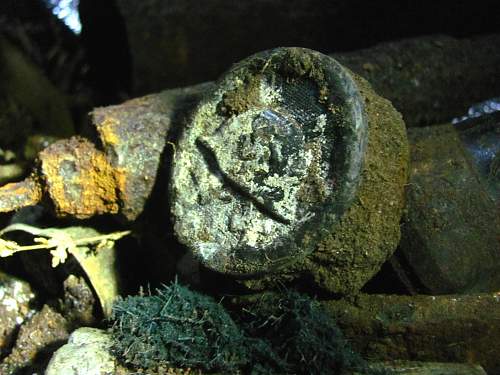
[355,248]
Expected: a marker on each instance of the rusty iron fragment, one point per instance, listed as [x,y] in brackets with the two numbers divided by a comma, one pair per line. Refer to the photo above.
[74,175]
[20,194]
[78,179]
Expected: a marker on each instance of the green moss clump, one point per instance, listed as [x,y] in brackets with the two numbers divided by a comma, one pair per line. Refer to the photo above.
[178,328]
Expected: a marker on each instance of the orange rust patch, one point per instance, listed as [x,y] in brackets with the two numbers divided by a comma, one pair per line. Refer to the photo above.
[107,131]
[121,179]
[20,194]
[79,179]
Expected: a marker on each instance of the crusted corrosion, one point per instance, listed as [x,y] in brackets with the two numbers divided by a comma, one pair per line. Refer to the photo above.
[20,194]
[79,179]
[269,156]
[355,248]
[134,136]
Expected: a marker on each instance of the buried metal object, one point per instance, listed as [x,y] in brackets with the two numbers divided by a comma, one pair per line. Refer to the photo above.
[291,163]
[451,226]
[272,158]
[311,160]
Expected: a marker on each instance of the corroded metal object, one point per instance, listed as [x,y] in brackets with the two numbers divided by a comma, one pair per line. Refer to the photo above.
[79,179]
[300,145]
[271,159]
[460,328]
[451,227]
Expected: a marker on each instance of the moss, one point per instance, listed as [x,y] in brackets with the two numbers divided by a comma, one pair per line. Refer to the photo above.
[177,328]
[369,232]
[304,335]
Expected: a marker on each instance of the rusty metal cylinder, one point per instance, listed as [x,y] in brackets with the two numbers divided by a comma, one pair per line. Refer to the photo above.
[299,160]
[291,166]
[451,227]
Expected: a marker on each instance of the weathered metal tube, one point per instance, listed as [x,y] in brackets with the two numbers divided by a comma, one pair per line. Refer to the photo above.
[455,328]
[451,226]
[286,166]
[339,147]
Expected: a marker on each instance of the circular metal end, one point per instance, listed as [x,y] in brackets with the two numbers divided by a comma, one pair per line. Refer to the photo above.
[270,161]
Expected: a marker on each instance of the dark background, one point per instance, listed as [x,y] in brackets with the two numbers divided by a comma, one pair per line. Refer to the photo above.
[136,47]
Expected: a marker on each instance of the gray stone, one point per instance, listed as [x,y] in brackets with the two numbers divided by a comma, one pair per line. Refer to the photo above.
[86,353]
[15,299]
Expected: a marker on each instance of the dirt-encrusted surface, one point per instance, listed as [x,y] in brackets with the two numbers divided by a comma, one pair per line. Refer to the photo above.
[451,224]
[369,231]
[271,158]
[35,343]
[453,328]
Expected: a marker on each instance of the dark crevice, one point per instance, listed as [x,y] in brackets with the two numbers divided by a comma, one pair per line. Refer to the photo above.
[104,37]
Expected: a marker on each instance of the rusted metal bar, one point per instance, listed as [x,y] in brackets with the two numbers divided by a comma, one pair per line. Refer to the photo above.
[455,328]
[430,80]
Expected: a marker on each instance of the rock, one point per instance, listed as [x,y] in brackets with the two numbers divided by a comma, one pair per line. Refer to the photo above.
[16,298]
[86,353]
[78,302]
[42,334]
